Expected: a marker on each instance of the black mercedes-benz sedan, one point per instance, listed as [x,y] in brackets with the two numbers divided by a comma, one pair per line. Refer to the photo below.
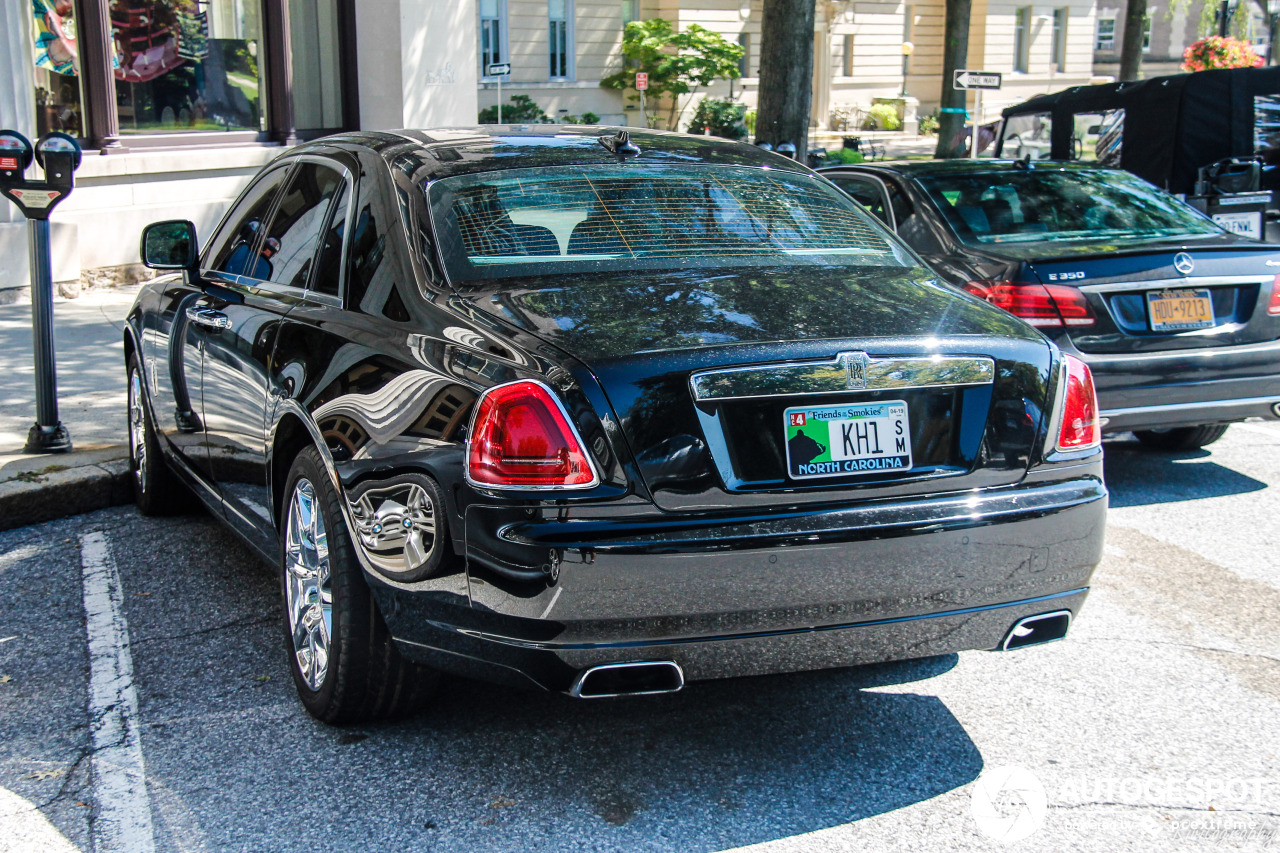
[1178,318]
[597,413]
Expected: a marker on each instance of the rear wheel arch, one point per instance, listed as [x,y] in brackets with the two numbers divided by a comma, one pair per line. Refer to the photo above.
[291,438]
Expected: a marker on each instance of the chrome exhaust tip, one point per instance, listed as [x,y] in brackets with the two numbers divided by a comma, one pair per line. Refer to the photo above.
[636,678]
[1034,630]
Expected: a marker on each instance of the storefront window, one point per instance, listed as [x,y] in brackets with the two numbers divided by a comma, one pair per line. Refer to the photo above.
[188,65]
[57,77]
[317,64]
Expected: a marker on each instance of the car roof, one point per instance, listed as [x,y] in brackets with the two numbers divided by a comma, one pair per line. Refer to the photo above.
[920,168]
[485,148]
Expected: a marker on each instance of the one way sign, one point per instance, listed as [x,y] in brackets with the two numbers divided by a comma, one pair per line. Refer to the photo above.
[976,80]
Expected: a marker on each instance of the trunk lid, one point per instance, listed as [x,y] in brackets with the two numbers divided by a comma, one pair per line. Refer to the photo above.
[704,373]
[1169,296]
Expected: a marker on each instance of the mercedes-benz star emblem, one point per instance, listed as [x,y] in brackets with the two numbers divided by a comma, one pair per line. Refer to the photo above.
[1183,263]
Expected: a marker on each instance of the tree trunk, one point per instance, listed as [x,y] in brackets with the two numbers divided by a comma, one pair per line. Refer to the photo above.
[786,74]
[955,54]
[1135,24]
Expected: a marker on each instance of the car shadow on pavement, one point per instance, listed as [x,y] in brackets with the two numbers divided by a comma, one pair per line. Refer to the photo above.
[1139,476]
[486,768]
[721,764]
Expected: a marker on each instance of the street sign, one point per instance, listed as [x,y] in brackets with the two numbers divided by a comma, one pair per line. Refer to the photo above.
[642,81]
[497,69]
[976,80]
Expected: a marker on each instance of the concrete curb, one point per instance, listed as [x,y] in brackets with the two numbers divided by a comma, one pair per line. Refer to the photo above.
[41,488]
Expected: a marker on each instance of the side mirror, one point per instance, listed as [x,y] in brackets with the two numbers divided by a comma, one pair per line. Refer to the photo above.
[170,245]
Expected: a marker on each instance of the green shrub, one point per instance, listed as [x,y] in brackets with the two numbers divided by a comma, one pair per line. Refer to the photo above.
[722,116]
[883,116]
[749,119]
[929,124]
[844,157]
[521,110]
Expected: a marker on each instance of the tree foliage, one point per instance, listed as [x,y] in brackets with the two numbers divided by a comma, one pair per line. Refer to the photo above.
[721,117]
[678,63]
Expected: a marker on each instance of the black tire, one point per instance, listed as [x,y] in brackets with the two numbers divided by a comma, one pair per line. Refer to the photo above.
[156,489]
[364,677]
[1181,438]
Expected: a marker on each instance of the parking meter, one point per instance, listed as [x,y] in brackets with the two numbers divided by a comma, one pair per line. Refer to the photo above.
[59,155]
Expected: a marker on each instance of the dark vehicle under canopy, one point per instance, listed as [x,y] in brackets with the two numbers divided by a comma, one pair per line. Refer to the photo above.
[1163,129]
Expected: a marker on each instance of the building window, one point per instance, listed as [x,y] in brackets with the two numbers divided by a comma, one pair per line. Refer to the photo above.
[744,63]
[846,57]
[1106,34]
[1022,39]
[1146,31]
[171,67]
[185,66]
[58,96]
[1059,58]
[493,34]
[317,65]
[560,38]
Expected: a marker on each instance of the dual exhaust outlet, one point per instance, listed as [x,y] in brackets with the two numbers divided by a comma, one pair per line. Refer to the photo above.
[650,677]
[636,678]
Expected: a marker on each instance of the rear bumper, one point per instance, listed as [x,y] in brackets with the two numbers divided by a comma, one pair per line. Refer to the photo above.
[554,593]
[1185,388]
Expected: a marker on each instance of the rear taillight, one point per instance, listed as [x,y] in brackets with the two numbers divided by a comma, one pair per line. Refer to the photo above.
[1043,305]
[1079,425]
[521,438]
[1273,307]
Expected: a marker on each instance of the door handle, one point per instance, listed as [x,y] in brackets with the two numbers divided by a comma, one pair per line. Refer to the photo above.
[209,318]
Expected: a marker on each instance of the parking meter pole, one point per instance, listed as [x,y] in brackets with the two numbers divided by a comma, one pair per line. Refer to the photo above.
[47,435]
[59,156]
[644,119]
[499,100]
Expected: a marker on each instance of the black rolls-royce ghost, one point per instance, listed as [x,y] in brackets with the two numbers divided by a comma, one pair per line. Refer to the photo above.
[1177,317]
[597,413]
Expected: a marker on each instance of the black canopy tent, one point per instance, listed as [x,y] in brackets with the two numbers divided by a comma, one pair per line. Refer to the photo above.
[1172,126]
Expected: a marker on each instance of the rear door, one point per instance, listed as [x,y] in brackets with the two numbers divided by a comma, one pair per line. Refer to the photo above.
[252,304]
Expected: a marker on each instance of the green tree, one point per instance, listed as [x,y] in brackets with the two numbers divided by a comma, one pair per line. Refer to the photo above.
[678,64]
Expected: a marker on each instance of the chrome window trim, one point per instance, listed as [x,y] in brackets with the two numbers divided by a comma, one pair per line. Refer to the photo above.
[1182,283]
[790,379]
[596,479]
[341,169]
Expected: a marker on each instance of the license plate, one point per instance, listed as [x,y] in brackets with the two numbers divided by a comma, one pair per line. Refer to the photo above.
[1179,310]
[836,441]
[1244,224]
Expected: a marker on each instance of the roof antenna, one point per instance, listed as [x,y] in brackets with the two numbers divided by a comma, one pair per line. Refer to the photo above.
[620,144]
[1024,163]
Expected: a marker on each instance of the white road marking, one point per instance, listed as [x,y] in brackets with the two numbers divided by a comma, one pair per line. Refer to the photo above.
[123,811]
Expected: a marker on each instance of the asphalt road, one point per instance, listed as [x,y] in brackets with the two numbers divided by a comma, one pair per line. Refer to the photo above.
[1153,726]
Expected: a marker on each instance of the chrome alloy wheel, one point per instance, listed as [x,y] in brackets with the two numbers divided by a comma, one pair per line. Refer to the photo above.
[137,428]
[308,590]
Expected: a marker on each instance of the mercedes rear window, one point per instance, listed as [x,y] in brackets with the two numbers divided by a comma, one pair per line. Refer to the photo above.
[1042,205]
[573,219]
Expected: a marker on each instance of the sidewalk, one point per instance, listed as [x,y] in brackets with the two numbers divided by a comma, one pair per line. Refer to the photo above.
[91,402]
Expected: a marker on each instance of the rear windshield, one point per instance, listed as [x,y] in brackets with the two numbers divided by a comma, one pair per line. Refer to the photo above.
[1033,205]
[573,219]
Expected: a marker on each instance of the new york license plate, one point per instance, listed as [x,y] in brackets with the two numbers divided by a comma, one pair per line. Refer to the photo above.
[1179,310]
[834,441]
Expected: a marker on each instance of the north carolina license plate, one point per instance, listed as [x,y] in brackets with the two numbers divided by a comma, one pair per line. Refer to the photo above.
[834,441]
[1179,310]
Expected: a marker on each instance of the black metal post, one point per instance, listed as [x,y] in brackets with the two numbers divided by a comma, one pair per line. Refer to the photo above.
[47,435]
